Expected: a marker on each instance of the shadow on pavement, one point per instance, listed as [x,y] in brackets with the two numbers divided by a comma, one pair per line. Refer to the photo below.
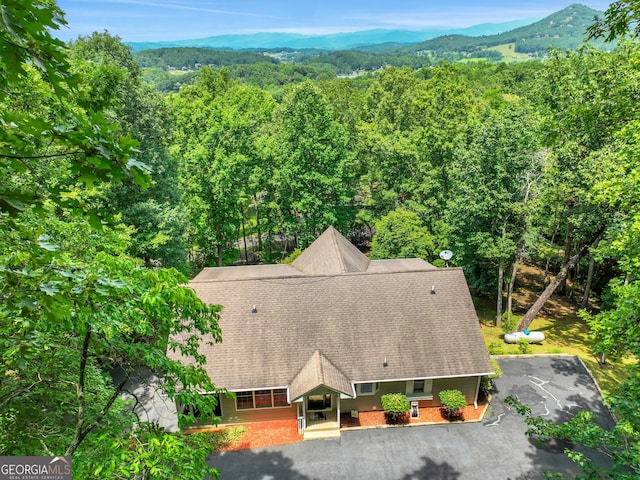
[252,465]
[433,471]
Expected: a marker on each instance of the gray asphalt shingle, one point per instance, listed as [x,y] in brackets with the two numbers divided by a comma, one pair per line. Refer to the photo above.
[355,317]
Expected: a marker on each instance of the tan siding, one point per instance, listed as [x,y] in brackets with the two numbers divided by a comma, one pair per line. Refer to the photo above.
[466,385]
[367,403]
[230,415]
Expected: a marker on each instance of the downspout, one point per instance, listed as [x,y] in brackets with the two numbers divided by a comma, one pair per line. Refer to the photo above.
[475,402]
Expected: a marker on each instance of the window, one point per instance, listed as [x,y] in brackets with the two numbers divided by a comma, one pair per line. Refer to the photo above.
[319,402]
[244,400]
[262,399]
[419,388]
[280,397]
[366,388]
[193,410]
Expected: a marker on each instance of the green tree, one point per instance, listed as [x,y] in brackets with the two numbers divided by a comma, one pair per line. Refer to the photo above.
[221,172]
[401,234]
[611,179]
[41,127]
[313,185]
[386,143]
[495,172]
[620,19]
[72,305]
[112,83]
[406,142]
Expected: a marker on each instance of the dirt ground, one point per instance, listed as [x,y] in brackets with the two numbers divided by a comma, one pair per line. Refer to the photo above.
[530,283]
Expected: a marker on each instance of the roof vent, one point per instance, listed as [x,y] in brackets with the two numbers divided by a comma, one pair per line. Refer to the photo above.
[254,309]
[433,289]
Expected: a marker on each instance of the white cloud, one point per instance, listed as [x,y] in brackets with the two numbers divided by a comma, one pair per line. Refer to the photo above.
[182,6]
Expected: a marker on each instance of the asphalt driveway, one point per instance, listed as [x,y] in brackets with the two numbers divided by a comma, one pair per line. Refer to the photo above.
[496,448]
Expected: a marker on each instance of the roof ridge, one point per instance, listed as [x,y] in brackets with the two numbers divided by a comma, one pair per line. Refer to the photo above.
[320,369]
[336,245]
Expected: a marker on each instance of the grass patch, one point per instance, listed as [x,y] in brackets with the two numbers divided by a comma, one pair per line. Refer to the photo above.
[509,54]
[564,334]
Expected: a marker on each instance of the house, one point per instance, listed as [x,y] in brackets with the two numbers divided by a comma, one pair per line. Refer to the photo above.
[334,331]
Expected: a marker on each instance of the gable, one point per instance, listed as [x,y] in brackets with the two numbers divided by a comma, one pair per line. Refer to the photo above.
[319,371]
[331,254]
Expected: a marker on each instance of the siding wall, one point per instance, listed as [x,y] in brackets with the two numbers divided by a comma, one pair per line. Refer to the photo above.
[466,385]
[363,403]
[230,415]
[367,403]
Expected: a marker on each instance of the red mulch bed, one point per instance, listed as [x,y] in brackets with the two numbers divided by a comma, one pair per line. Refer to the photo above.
[267,434]
[426,415]
[280,432]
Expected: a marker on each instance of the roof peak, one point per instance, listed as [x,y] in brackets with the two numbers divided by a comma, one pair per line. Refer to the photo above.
[331,254]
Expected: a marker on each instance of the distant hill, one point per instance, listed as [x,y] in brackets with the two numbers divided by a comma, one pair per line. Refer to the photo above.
[564,29]
[337,41]
[190,57]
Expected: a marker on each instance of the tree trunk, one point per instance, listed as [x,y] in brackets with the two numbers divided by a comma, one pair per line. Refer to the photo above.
[499,300]
[587,286]
[544,296]
[512,282]
[258,228]
[568,240]
[218,246]
[244,239]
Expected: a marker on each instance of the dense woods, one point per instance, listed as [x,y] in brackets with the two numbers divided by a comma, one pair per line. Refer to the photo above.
[113,191]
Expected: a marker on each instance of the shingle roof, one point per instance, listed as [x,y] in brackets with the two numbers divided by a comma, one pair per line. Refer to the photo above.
[319,371]
[331,254]
[356,319]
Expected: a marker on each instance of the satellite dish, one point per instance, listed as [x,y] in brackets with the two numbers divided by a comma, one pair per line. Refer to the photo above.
[446,255]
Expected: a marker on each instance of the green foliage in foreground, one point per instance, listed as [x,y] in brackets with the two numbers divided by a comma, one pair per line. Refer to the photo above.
[617,444]
[73,307]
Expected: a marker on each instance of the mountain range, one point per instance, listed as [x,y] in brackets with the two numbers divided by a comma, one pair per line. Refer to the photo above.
[336,41]
[563,29]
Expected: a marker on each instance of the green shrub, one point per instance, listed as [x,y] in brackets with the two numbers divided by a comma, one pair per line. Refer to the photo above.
[292,256]
[524,347]
[495,348]
[396,406]
[452,401]
[487,383]
[509,322]
[222,438]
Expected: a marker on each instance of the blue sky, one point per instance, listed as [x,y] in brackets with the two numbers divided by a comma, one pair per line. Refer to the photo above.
[155,20]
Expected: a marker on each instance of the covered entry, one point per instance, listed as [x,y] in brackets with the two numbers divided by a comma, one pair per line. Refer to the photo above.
[317,390]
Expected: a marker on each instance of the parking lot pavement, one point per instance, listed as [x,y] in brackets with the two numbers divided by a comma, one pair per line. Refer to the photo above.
[495,448]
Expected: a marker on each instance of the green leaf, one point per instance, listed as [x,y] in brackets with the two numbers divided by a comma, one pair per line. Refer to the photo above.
[45,242]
